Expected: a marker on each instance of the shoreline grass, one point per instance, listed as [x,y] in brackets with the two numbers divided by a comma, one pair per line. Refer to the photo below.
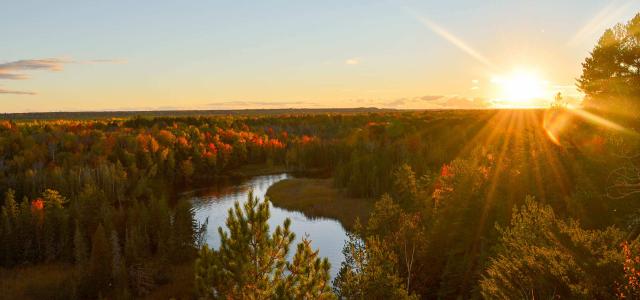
[319,198]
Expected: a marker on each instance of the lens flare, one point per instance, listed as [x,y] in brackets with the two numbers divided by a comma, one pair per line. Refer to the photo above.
[521,89]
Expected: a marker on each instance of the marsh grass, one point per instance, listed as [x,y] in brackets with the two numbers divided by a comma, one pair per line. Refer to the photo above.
[319,198]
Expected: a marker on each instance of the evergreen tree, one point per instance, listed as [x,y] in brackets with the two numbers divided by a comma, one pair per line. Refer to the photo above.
[80,247]
[252,262]
[119,272]
[6,245]
[100,271]
[183,232]
[542,257]
[405,186]
[308,276]
[369,272]
[610,75]
[8,231]
[160,226]
[25,232]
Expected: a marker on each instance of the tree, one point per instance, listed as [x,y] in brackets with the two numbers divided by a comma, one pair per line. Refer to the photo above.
[99,271]
[405,186]
[542,257]
[183,234]
[80,247]
[369,271]
[8,230]
[611,74]
[252,262]
[308,275]
[119,273]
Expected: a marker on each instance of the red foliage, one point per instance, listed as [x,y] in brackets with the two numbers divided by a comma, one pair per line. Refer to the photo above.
[446,171]
[275,143]
[37,204]
[307,139]
[212,148]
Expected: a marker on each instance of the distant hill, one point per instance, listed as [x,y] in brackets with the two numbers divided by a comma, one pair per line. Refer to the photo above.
[181,113]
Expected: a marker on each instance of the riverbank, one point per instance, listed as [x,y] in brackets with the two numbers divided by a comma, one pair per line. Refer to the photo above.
[319,198]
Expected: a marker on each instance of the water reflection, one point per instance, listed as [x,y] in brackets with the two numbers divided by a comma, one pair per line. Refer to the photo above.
[326,234]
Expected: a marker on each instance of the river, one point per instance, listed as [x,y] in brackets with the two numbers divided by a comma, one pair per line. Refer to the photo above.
[327,235]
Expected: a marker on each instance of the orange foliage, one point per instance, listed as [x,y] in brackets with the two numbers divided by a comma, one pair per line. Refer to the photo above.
[631,287]
[307,139]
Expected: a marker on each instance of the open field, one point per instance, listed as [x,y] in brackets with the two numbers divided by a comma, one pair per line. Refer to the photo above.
[319,198]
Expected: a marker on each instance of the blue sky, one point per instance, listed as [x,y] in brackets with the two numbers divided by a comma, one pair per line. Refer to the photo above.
[230,54]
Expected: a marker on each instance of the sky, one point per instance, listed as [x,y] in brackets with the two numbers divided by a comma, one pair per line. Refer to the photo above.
[160,55]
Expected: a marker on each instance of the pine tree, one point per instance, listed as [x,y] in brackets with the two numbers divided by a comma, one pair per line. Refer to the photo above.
[183,232]
[252,262]
[119,272]
[610,77]
[80,247]
[160,227]
[308,276]
[10,204]
[6,245]
[8,231]
[405,186]
[541,256]
[100,262]
[54,223]
[369,272]
[25,232]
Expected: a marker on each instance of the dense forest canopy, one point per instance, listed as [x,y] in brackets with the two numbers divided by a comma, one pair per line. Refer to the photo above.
[466,204]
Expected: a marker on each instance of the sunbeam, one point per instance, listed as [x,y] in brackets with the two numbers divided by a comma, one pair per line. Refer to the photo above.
[451,38]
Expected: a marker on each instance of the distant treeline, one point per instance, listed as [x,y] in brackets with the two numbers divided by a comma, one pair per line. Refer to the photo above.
[87,115]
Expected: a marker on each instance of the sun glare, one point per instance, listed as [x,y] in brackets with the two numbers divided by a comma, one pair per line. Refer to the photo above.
[520,89]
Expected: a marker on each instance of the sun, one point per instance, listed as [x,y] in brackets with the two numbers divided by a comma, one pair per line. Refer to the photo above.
[521,89]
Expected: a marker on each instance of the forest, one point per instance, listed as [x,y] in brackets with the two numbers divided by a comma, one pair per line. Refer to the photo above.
[461,204]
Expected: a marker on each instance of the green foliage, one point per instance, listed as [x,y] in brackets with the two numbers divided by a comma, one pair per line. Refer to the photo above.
[444,178]
[80,247]
[541,256]
[99,269]
[369,272]
[611,75]
[183,233]
[252,262]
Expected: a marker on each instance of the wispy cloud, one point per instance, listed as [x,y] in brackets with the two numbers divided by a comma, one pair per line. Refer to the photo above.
[431,102]
[352,61]
[465,103]
[16,70]
[4,91]
[251,104]
[13,70]
[11,76]
[102,61]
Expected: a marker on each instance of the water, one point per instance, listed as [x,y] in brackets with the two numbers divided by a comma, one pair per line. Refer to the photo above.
[326,234]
